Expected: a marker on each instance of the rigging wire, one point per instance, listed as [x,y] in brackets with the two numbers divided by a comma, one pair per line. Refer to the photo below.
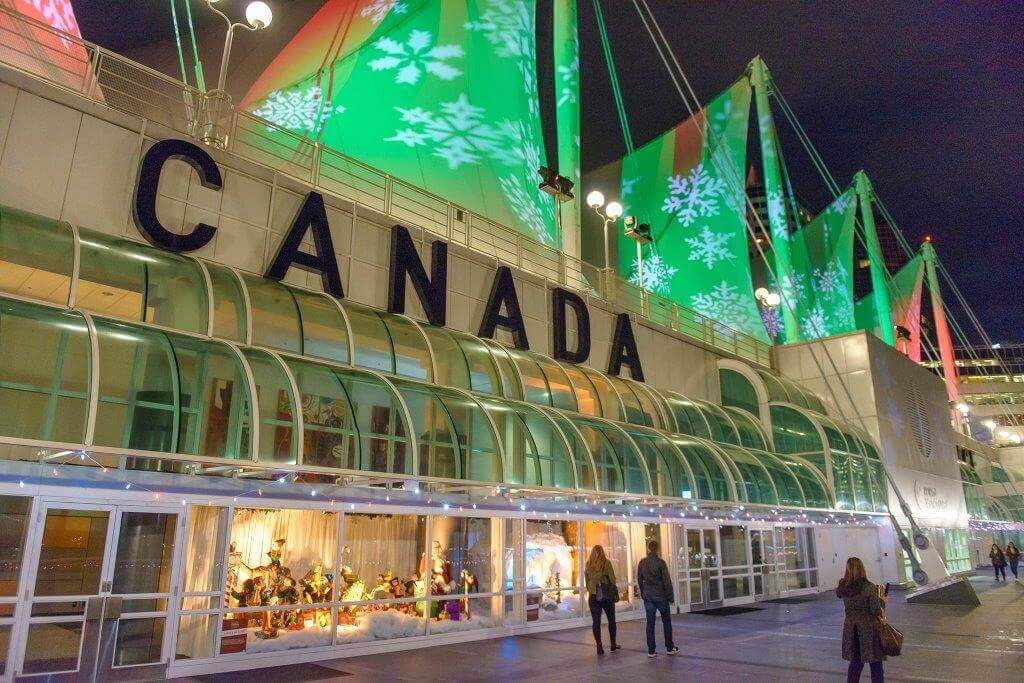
[620,106]
[177,41]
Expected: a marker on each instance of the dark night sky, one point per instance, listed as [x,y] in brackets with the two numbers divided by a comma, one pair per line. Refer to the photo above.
[927,97]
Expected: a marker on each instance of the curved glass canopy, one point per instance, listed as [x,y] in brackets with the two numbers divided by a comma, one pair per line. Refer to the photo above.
[237,368]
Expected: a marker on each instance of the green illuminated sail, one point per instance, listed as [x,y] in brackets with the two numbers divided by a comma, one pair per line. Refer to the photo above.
[904,302]
[688,185]
[567,113]
[440,93]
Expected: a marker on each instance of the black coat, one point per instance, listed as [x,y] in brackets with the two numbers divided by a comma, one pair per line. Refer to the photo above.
[653,578]
[997,557]
[862,627]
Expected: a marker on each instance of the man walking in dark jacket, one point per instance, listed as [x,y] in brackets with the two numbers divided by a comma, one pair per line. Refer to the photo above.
[656,590]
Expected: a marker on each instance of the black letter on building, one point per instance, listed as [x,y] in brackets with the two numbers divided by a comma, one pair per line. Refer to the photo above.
[311,215]
[624,350]
[405,260]
[559,299]
[503,291]
[144,207]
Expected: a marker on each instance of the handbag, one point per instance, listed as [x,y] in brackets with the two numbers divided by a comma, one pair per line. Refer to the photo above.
[607,591]
[891,638]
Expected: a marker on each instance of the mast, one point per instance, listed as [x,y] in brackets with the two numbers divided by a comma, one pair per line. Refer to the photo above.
[879,291]
[949,373]
[566,48]
[775,199]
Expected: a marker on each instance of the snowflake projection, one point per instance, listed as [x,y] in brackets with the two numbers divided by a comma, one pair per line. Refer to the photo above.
[508,26]
[777,215]
[710,247]
[528,205]
[814,324]
[771,316]
[719,122]
[829,281]
[657,274]
[458,133]
[297,110]
[695,195]
[841,203]
[627,186]
[378,9]
[724,303]
[767,130]
[794,287]
[569,76]
[57,13]
[416,56]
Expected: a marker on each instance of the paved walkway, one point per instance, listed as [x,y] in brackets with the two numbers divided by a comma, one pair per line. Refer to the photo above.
[792,640]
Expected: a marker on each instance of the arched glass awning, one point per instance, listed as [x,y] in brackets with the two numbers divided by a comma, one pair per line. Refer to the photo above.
[738,391]
[234,367]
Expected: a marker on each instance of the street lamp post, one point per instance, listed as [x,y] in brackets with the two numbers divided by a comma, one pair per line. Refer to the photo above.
[610,214]
[217,103]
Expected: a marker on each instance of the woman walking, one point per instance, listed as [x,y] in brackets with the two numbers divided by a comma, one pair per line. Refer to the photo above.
[865,605]
[600,585]
[998,561]
[1013,557]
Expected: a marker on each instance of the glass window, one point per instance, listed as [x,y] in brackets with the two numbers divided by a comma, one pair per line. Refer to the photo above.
[275,315]
[465,558]
[796,395]
[324,333]
[535,384]
[585,475]
[534,449]
[811,481]
[562,395]
[129,280]
[276,409]
[712,479]
[37,256]
[611,404]
[609,471]
[748,428]
[45,356]
[412,357]
[383,558]
[380,421]
[228,304]
[634,411]
[329,436]
[587,398]
[793,432]
[455,437]
[370,337]
[452,368]
[286,558]
[689,418]
[752,475]
[614,538]
[668,473]
[786,484]
[14,517]
[511,386]
[483,370]
[737,391]
[551,550]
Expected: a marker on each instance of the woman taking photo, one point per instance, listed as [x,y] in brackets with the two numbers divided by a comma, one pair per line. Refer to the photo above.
[601,587]
[865,605]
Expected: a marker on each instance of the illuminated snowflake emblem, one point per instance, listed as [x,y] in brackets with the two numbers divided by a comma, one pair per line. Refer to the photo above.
[695,195]
[458,133]
[813,323]
[777,215]
[529,205]
[724,303]
[301,111]
[657,274]
[710,247]
[568,77]
[771,316]
[416,56]
[378,9]
[793,286]
[829,281]
[508,26]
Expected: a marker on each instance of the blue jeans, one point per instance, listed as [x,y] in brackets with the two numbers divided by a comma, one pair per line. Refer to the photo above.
[652,607]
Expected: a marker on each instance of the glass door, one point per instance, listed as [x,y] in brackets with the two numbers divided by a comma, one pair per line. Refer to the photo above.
[762,550]
[735,561]
[704,573]
[98,591]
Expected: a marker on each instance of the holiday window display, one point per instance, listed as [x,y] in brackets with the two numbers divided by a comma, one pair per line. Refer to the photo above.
[267,568]
[551,557]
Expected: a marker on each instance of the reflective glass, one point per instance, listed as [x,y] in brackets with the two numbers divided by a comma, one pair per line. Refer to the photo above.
[228,304]
[535,384]
[611,404]
[380,420]
[776,392]
[811,481]
[452,368]
[14,518]
[370,337]
[45,357]
[412,358]
[483,371]
[329,436]
[638,411]
[511,387]
[324,333]
[738,391]
[786,484]
[749,429]
[562,395]
[276,409]
[689,419]
[793,432]
[668,473]
[796,394]
[129,280]
[712,478]
[587,398]
[585,475]
[609,471]
[534,449]
[275,315]
[722,429]
[753,475]
[37,256]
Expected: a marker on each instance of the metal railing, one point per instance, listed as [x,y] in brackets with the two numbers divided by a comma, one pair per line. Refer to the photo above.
[108,78]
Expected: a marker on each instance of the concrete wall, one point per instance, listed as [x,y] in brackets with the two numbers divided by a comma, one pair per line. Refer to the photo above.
[65,157]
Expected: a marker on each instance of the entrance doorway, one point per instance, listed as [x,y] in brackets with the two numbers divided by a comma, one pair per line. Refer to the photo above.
[97,596]
[704,575]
